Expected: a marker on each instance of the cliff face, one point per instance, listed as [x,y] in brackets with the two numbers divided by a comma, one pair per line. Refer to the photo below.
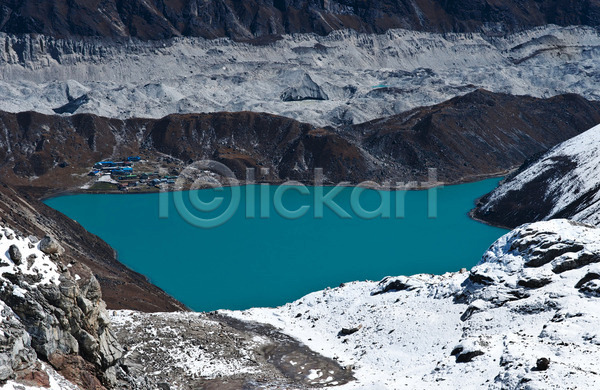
[262,18]
[53,311]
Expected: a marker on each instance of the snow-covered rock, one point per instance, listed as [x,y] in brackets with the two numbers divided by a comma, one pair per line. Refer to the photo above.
[303,88]
[363,76]
[563,183]
[50,313]
[491,327]
[15,343]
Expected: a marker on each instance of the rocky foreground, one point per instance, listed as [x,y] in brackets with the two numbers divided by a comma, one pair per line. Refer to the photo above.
[524,317]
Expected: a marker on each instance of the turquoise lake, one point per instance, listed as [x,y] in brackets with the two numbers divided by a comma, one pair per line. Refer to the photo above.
[248,262]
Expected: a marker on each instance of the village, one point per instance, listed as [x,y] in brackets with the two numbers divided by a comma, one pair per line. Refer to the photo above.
[131,174]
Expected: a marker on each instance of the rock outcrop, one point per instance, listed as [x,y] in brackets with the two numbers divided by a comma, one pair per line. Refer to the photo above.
[16,354]
[53,312]
[303,89]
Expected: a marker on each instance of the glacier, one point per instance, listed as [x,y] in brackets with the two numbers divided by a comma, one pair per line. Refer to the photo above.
[362,76]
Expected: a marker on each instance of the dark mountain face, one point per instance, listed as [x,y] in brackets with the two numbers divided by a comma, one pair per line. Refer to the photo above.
[251,19]
[475,135]
[41,146]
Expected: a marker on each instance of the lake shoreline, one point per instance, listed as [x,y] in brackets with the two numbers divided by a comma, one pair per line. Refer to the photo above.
[51,193]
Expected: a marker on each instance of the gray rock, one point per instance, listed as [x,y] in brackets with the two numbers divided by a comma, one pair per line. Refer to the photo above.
[89,345]
[50,246]
[16,353]
[15,254]
[306,89]
[68,319]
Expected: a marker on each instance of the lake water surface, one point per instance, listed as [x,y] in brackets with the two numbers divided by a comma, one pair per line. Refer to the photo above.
[248,262]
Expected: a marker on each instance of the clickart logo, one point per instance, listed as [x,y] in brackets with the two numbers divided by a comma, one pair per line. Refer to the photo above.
[212,208]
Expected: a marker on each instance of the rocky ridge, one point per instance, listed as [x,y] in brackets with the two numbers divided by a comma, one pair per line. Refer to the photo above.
[562,183]
[47,152]
[262,19]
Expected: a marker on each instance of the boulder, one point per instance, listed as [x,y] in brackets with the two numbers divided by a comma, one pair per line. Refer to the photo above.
[464,354]
[348,331]
[542,364]
[50,246]
[305,89]
[15,254]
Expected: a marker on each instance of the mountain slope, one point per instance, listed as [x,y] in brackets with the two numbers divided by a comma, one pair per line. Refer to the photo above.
[475,134]
[501,131]
[525,315]
[122,288]
[237,19]
[562,183]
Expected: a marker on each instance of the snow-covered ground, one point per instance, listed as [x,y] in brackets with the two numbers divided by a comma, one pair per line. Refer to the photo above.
[31,260]
[534,295]
[23,256]
[364,76]
[186,356]
[565,179]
